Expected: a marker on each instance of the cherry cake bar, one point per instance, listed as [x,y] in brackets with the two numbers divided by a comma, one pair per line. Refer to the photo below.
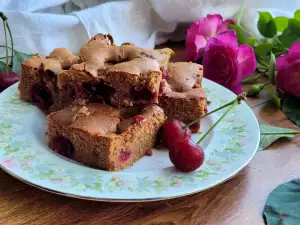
[102,136]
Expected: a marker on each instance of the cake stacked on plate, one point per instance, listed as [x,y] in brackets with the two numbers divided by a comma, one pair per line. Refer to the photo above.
[107,105]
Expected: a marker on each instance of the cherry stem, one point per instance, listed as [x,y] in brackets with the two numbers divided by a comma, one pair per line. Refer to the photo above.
[207,114]
[219,120]
[4,19]
[233,104]
[12,44]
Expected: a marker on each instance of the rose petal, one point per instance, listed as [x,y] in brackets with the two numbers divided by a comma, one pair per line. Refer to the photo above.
[194,28]
[194,47]
[229,21]
[294,52]
[288,78]
[221,66]
[224,26]
[246,59]
[208,26]
[281,62]
[228,37]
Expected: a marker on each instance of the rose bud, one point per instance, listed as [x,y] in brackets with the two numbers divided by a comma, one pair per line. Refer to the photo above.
[255,89]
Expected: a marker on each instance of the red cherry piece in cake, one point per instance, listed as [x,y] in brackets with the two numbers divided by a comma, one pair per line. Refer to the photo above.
[138,119]
[196,85]
[172,131]
[205,109]
[41,96]
[186,155]
[195,128]
[149,153]
[62,146]
[165,74]
[124,155]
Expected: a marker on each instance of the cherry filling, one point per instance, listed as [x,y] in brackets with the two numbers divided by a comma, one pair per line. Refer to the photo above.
[98,91]
[143,94]
[124,155]
[41,96]
[72,90]
[195,128]
[102,92]
[62,146]
[165,74]
[95,91]
[138,119]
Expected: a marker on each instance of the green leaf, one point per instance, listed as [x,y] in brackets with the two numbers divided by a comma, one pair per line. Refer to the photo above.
[263,49]
[271,70]
[266,25]
[2,66]
[291,34]
[270,134]
[297,14]
[251,41]
[291,108]
[281,23]
[283,204]
[18,58]
[239,33]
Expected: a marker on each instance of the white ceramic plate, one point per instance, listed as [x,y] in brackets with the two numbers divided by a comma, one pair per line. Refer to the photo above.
[24,154]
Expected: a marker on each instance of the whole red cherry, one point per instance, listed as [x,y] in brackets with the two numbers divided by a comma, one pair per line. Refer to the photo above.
[186,155]
[7,79]
[172,131]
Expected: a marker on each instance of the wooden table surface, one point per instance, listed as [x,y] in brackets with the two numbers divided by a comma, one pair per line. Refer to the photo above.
[239,201]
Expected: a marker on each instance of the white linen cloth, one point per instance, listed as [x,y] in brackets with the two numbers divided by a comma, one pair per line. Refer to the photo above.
[39,26]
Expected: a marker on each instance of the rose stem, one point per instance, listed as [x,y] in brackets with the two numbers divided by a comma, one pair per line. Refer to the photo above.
[12,44]
[4,18]
[233,104]
[211,112]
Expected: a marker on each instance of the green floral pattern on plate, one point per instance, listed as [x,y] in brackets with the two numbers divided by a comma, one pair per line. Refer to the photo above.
[25,155]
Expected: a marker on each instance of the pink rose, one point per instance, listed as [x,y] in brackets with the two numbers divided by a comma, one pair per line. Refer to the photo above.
[199,33]
[226,63]
[288,66]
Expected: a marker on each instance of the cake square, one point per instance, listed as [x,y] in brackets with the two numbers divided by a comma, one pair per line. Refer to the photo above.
[182,96]
[38,81]
[102,136]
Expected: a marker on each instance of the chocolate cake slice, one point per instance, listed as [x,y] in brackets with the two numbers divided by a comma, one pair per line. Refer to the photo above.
[102,136]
